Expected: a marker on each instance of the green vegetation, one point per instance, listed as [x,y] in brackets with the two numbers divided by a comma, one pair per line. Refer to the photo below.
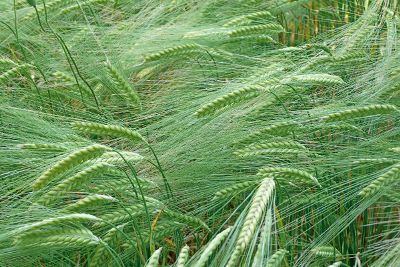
[199,133]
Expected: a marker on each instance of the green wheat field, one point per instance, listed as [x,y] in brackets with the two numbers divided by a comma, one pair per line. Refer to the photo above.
[223,133]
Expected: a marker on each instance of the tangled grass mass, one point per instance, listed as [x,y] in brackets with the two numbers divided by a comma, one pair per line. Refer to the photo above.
[251,133]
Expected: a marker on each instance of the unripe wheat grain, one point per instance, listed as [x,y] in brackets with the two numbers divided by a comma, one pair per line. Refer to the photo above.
[153,261]
[190,220]
[75,180]
[67,163]
[388,177]
[101,252]
[123,84]
[248,18]
[289,173]
[265,28]
[70,218]
[317,78]
[275,129]
[258,205]
[266,148]
[211,247]
[234,189]
[90,201]
[179,50]
[228,99]
[108,130]
[360,112]
[183,256]
[42,147]
[276,259]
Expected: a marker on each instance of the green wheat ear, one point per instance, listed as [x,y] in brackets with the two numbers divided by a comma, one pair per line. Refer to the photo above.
[123,85]
[123,215]
[211,247]
[273,147]
[336,264]
[317,78]
[74,181]
[101,254]
[228,99]
[180,50]
[13,71]
[57,221]
[190,220]
[257,208]
[384,180]
[72,160]
[42,147]
[183,256]
[276,259]
[288,173]
[248,30]
[248,18]
[361,112]
[89,202]
[279,128]
[153,261]
[58,236]
[234,189]
[108,130]
[326,252]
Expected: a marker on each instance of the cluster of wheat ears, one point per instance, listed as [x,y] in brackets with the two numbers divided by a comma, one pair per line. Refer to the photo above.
[199,133]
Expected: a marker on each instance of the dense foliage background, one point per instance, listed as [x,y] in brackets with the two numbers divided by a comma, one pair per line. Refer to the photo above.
[199,133]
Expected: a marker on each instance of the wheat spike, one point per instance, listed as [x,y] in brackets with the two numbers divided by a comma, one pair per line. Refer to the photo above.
[75,180]
[234,189]
[228,99]
[75,237]
[101,253]
[317,78]
[280,128]
[108,130]
[273,147]
[35,236]
[42,147]
[389,258]
[247,30]
[315,62]
[190,220]
[72,160]
[326,252]
[211,247]
[360,112]
[383,180]
[263,247]
[90,201]
[183,256]
[179,50]
[71,8]
[248,18]
[288,173]
[276,259]
[70,218]
[5,61]
[153,261]
[123,84]
[258,205]
[123,215]
[5,76]
[336,264]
